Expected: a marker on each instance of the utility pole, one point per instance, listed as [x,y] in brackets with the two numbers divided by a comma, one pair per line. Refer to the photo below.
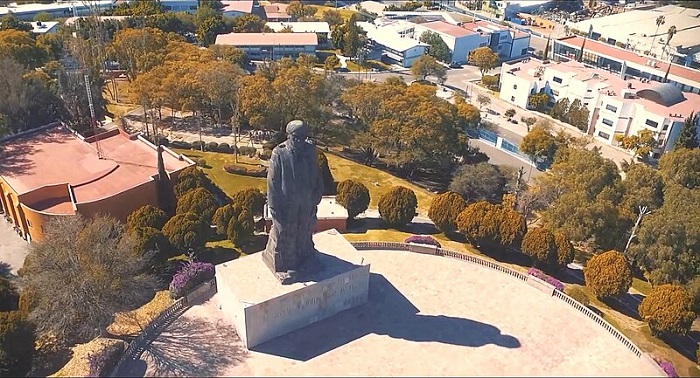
[643,210]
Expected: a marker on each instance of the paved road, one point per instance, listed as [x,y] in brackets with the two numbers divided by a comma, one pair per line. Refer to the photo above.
[500,157]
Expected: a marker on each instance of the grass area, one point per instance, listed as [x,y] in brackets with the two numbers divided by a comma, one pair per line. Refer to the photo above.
[345,13]
[229,183]
[641,286]
[118,110]
[132,322]
[378,65]
[354,67]
[344,169]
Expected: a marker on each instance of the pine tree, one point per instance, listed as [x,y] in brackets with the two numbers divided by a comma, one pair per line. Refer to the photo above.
[688,137]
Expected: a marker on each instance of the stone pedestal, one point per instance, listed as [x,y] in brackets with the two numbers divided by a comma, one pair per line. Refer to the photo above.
[261,308]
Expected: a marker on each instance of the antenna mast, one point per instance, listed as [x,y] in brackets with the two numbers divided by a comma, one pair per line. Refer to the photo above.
[88,91]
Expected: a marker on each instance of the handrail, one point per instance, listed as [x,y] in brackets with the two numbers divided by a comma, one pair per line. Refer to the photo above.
[426,249]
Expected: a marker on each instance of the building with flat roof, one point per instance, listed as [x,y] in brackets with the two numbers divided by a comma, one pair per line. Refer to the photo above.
[260,46]
[637,30]
[617,107]
[189,6]
[461,41]
[396,48]
[53,171]
[626,63]
[61,9]
[322,29]
[329,215]
[237,8]
[276,12]
[506,42]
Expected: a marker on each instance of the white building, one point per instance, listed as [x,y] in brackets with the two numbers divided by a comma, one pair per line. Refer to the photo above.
[237,8]
[395,42]
[461,41]
[58,9]
[321,28]
[507,43]
[47,27]
[616,106]
[273,46]
[189,6]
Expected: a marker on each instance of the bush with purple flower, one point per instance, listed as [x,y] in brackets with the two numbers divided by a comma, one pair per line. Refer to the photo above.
[667,367]
[422,239]
[189,276]
[546,278]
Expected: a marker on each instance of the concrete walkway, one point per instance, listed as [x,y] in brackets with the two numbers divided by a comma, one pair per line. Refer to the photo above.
[13,249]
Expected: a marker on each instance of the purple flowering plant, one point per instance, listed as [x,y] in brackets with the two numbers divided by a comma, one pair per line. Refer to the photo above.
[422,239]
[546,278]
[190,275]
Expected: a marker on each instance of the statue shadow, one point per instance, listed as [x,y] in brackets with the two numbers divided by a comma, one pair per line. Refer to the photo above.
[387,312]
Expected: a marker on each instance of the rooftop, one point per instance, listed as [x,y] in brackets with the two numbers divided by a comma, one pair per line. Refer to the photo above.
[55,155]
[389,38]
[446,28]
[630,56]
[267,39]
[35,7]
[276,10]
[481,26]
[240,6]
[300,27]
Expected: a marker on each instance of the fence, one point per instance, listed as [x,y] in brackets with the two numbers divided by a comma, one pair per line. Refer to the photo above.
[498,142]
[521,276]
[164,319]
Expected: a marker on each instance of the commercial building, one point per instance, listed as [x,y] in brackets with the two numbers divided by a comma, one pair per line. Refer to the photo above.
[52,172]
[616,106]
[273,46]
[395,47]
[237,8]
[329,215]
[637,31]
[626,63]
[47,27]
[61,9]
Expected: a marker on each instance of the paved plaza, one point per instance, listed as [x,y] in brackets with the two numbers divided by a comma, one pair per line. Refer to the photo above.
[426,315]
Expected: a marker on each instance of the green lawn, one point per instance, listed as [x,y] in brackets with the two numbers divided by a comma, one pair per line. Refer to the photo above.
[228,182]
[641,286]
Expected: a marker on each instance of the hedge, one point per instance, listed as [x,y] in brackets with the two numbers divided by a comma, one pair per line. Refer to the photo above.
[225,148]
[212,147]
[422,239]
[546,278]
[181,144]
[197,145]
[259,171]
[189,276]
[247,150]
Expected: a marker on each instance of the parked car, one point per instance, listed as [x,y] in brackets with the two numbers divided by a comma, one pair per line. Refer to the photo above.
[514,121]
[455,65]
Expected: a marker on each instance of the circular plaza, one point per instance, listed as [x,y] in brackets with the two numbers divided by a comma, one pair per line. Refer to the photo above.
[426,315]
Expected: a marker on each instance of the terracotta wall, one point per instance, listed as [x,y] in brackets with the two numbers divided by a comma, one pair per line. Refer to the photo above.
[122,204]
[36,221]
[12,206]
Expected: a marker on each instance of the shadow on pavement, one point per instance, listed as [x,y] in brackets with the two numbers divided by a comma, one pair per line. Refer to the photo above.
[388,312]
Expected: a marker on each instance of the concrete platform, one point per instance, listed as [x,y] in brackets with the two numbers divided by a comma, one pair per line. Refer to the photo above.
[261,308]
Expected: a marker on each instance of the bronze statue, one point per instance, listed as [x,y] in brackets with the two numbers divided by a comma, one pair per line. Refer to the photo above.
[294,190]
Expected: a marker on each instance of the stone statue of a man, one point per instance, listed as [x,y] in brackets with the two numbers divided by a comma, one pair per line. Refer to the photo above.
[294,190]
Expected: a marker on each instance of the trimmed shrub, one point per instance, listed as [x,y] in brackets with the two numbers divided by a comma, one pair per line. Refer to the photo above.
[146,216]
[398,206]
[201,162]
[197,145]
[353,196]
[222,216]
[265,154]
[247,150]
[224,148]
[212,146]
[240,228]
[189,276]
[329,185]
[668,308]
[565,250]
[666,366]
[444,209]
[483,222]
[199,201]
[259,171]
[539,244]
[152,240]
[577,294]
[251,199]
[608,274]
[8,295]
[422,239]
[16,343]
[191,178]
[186,231]
[26,300]
[181,144]
[104,360]
[546,278]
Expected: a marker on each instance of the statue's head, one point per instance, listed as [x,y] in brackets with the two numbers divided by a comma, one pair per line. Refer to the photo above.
[296,134]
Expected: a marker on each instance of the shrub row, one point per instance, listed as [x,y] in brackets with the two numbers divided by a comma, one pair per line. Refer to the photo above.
[189,276]
[258,171]
[210,147]
[422,239]
[546,278]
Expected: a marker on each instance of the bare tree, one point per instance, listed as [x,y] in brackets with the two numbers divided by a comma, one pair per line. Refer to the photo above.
[81,273]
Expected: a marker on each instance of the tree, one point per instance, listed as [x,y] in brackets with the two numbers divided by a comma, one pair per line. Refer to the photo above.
[354,196]
[660,20]
[330,63]
[230,54]
[528,121]
[540,244]
[560,109]
[20,46]
[353,37]
[139,50]
[152,243]
[426,66]
[94,254]
[608,274]
[444,210]
[43,17]
[198,201]
[668,308]
[539,143]
[483,58]
[398,206]
[186,231]
[190,178]
[438,48]
[669,35]
[11,22]
[469,113]
[209,23]
[16,343]
[510,113]
[333,17]
[578,115]
[537,101]
[223,216]
[251,199]
[329,185]
[146,216]
[642,144]
[565,251]
[484,223]
[476,182]
[248,23]
[680,167]
[240,228]
[483,100]
[8,295]
[688,136]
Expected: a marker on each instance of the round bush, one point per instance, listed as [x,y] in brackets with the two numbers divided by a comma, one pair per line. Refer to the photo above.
[224,148]
[212,146]
[222,216]
[398,206]
[565,250]
[240,228]
[353,196]
[668,308]
[190,178]
[186,231]
[247,150]
[265,154]
[198,201]
[444,209]
[162,141]
[608,274]
[151,240]
[251,199]
[197,145]
[146,216]
[539,244]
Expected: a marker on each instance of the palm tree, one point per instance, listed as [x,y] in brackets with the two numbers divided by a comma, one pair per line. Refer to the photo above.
[659,21]
[669,34]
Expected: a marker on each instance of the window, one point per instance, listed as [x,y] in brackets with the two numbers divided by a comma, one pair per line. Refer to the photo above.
[661,142]
[603,135]
[611,108]
[665,127]
[607,122]
[512,98]
[557,79]
[585,104]
[515,86]
[651,123]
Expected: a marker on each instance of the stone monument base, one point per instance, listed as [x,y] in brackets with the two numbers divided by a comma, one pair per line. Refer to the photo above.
[261,308]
